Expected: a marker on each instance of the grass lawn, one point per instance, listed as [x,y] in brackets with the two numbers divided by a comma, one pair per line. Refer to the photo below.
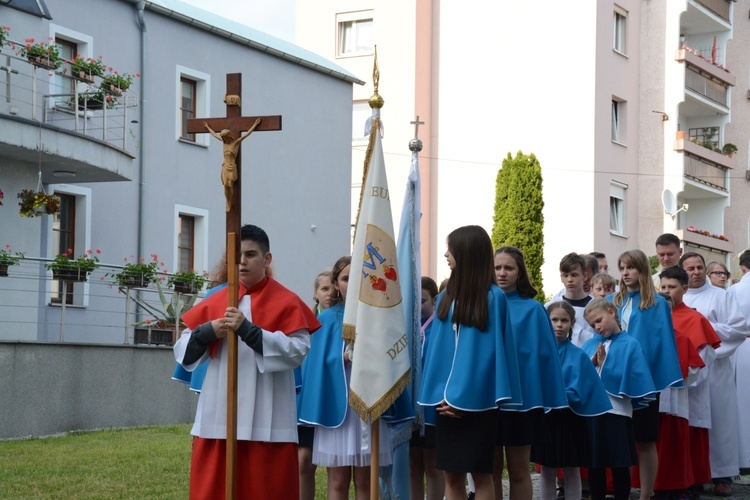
[148,462]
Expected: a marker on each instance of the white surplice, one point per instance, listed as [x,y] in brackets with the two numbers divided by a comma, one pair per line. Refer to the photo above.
[740,292]
[724,315]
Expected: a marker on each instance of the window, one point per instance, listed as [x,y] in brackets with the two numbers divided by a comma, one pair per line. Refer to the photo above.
[192,90]
[64,84]
[191,239]
[187,106]
[355,34]
[71,230]
[617,207]
[186,243]
[64,238]
[69,43]
[619,121]
[620,31]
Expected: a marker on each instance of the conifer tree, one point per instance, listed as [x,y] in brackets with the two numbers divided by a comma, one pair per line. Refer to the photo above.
[518,219]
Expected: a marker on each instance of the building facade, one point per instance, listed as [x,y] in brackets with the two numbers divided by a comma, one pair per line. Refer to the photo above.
[133,181]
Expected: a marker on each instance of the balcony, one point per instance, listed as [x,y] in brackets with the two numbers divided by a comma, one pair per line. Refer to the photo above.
[701,241]
[704,165]
[39,124]
[704,67]
[718,7]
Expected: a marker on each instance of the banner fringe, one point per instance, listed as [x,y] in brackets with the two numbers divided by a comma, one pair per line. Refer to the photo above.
[349,332]
[368,414]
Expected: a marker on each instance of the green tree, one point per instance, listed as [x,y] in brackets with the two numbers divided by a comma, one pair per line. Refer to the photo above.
[518,219]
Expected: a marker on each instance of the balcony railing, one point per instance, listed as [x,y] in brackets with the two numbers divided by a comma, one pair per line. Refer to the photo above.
[97,311]
[705,86]
[718,7]
[704,165]
[46,96]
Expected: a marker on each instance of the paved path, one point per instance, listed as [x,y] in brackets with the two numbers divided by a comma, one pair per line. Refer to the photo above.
[740,491]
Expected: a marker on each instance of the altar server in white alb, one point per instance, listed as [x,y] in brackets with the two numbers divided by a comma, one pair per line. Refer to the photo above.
[740,292]
[274,327]
[724,315]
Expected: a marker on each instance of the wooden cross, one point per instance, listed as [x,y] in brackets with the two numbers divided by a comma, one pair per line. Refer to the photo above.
[235,123]
[416,124]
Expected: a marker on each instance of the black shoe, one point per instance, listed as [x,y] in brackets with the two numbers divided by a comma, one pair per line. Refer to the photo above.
[471,495]
[561,493]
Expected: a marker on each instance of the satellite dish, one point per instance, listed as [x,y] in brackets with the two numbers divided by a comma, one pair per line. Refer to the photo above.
[669,200]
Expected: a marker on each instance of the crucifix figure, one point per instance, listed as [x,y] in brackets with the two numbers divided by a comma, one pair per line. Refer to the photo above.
[233,126]
[231,149]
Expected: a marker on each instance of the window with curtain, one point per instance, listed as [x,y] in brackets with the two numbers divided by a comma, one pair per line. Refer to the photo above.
[186,243]
[64,237]
[615,121]
[617,192]
[188,100]
[620,31]
[355,35]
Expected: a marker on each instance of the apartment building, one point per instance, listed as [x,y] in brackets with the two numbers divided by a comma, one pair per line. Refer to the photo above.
[597,90]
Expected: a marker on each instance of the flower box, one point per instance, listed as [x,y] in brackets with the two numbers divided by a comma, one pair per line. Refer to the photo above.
[77,275]
[84,77]
[185,287]
[43,62]
[134,280]
[153,336]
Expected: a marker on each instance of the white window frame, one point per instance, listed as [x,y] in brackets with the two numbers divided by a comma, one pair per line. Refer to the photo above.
[200,238]
[354,18]
[617,207]
[202,102]
[83,239]
[620,30]
[619,120]
[84,46]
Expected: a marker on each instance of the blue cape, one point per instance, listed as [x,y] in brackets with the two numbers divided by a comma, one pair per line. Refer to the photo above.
[323,399]
[472,370]
[653,328]
[542,384]
[625,371]
[584,388]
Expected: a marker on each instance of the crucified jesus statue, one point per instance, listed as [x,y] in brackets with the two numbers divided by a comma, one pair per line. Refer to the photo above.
[231,148]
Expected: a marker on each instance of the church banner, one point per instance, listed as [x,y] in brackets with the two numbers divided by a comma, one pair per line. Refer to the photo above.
[373,314]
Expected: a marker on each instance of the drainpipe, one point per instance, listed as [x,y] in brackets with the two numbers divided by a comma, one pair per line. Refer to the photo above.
[140,7]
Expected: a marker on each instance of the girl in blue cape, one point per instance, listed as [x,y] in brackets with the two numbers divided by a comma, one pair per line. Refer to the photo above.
[542,386]
[622,367]
[566,442]
[470,364]
[647,318]
[342,439]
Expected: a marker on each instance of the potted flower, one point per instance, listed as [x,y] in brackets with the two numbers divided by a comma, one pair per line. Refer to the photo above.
[137,274]
[95,100]
[4,30]
[44,54]
[190,282]
[163,327]
[37,203]
[8,259]
[64,267]
[87,69]
[729,149]
[115,83]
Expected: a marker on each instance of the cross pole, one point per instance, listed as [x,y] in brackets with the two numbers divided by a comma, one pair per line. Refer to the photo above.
[236,124]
